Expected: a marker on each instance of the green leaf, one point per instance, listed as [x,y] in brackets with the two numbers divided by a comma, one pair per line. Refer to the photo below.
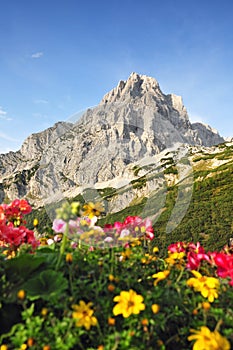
[22,267]
[48,284]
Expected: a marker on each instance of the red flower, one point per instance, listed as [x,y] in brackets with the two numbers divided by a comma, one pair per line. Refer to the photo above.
[177,247]
[195,255]
[224,263]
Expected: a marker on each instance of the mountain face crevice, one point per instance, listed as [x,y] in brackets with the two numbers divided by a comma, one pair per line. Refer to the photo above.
[133,121]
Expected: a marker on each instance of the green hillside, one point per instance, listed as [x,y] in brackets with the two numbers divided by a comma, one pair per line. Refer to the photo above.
[209,215]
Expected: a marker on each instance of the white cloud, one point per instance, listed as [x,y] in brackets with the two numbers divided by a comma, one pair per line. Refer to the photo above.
[37,54]
[2,112]
[41,101]
[195,118]
[7,138]
[3,115]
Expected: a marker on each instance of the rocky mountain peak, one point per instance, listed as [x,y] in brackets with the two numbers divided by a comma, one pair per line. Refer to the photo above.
[133,121]
[135,86]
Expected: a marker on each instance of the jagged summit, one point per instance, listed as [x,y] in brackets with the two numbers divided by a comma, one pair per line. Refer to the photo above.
[133,121]
[135,86]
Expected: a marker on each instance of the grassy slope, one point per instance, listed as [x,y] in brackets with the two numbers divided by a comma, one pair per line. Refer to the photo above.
[209,216]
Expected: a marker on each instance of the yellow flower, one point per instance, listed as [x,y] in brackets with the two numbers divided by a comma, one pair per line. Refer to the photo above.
[93,209]
[207,286]
[35,222]
[155,250]
[69,258]
[128,303]
[111,277]
[162,275]
[173,257]
[23,347]
[84,315]
[44,311]
[3,347]
[126,254]
[207,340]
[155,308]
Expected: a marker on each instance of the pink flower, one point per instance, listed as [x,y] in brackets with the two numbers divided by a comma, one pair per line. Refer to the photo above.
[59,226]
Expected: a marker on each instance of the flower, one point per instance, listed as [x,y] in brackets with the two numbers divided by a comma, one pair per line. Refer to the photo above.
[21,294]
[205,305]
[35,222]
[161,275]
[177,247]
[155,308]
[207,286]
[93,209]
[207,340]
[3,347]
[224,263]
[84,315]
[129,302]
[111,287]
[59,226]
[69,258]
[111,321]
[145,322]
[175,257]
[131,230]
[30,342]
[44,311]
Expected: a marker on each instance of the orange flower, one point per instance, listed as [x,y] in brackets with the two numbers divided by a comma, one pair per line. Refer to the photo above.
[30,342]
[21,294]
[206,305]
[111,321]
[144,322]
[111,287]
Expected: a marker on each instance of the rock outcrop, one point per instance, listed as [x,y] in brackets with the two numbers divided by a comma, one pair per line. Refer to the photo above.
[133,121]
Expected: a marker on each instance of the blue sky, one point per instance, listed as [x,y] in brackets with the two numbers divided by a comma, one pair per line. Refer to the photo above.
[60,57]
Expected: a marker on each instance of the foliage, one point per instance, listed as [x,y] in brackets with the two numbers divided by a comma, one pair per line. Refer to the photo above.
[67,295]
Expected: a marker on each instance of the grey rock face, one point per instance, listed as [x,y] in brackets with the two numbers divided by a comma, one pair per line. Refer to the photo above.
[132,121]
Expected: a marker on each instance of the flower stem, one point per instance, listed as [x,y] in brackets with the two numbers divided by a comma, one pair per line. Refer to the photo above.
[63,246]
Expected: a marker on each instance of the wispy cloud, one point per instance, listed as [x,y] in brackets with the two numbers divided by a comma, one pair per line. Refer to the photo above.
[41,101]
[37,54]
[7,137]
[195,118]
[3,115]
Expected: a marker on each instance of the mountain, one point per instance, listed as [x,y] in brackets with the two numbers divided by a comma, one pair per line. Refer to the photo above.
[186,192]
[108,144]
